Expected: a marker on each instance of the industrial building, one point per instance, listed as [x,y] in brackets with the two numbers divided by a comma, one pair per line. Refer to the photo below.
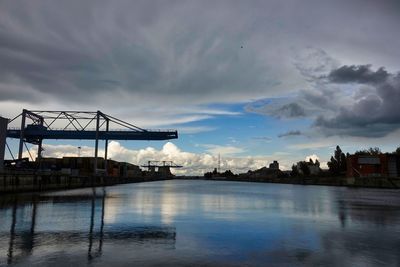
[274,165]
[382,165]
[270,172]
[72,172]
[82,166]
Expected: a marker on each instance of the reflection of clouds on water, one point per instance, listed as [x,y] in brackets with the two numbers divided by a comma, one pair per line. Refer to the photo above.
[29,238]
[308,203]
[146,204]
[219,206]
[111,209]
[170,208]
[164,204]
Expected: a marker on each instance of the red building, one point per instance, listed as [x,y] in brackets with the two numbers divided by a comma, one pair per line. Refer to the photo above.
[382,165]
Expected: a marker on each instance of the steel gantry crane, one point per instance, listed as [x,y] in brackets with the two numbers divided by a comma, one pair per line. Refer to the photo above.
[76,125]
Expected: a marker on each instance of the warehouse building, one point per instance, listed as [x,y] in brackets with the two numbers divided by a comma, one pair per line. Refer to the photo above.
[83,166]
[382,165]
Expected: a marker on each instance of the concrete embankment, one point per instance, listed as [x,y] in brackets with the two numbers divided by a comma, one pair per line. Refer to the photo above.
[371,182]
[16,182]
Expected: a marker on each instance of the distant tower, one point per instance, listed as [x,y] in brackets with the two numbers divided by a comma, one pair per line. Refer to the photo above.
[219,163]
[274,165]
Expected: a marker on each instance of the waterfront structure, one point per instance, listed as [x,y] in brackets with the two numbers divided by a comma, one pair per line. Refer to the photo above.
[82,166]
[3,136]
[274,165]
[76,125]
[162,167]
[272,171]
[72,172]
[381,165]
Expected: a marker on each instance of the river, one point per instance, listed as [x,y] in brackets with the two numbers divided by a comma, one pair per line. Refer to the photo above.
[202,223]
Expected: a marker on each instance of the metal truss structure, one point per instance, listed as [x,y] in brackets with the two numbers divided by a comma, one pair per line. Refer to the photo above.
[164,163]
[77,125]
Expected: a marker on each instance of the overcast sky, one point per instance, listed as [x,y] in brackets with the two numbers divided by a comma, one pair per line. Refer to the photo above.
[252,80]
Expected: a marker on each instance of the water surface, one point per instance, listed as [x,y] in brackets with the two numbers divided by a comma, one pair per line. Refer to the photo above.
[206,223]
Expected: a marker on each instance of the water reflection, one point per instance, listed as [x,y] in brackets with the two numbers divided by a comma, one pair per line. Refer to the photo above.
[180,223]
[26,242]
[23,240]
[12,232]
[92,226]
[368,206]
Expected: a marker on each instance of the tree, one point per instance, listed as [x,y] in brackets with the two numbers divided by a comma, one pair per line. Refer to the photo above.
[333,165]
[397,151]
[228,173]
[337,164]
[372,151]
[317,163]
[295,171]
[338,154]
[304,168]
[208,175]
[343,163]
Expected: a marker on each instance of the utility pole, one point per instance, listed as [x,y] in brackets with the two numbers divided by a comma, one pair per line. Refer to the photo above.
[21,138]
[3,136]
[96,145]
[219,162]
[106,147]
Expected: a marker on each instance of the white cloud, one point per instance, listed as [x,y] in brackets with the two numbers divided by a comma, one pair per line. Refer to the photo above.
[314,157]
[313,145]
[194,129]
[59,151]
[223,150]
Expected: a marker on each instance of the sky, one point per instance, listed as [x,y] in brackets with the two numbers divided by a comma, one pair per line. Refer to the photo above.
[253,81]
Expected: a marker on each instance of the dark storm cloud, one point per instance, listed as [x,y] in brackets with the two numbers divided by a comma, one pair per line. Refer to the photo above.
[72,51]
[291,110]
[371,115]
[277,110]
[358,74]
[312,63]
[290,133]
[356,101]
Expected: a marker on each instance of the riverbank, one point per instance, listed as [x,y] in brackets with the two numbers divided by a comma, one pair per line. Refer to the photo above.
[25,181]
[19,182]
[367,182]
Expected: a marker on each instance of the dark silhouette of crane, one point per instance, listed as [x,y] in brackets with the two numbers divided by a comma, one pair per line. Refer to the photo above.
[157,164]
[76,125]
